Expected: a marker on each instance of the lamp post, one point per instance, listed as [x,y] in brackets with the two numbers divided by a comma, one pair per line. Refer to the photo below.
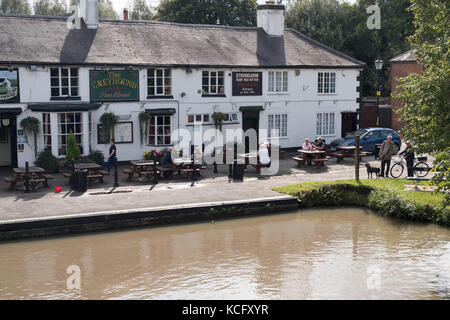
[378,66]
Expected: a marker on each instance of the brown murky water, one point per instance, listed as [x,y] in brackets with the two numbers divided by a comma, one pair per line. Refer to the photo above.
[313,254]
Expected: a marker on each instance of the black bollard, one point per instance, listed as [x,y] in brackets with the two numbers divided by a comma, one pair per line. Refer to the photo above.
[230,171]
[155,173]
[215,166]
[116,175]
[27,178]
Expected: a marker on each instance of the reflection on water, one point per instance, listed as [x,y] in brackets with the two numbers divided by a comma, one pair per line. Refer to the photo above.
[313,254]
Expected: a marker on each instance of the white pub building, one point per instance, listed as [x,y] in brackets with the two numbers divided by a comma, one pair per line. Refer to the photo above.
[264,77]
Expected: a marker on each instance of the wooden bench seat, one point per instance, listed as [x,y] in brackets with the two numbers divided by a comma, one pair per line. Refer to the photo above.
[319,162]
[35,182]
[129,172]
[48,177]
[93,177]
[104,172]
[149,174]
[11,180]
[300,161]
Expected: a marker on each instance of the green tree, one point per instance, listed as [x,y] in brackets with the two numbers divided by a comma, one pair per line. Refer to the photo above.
[220,12]
[50,8]
[426,97]
[15,6]
[141,11]
[73,150]
[106,10]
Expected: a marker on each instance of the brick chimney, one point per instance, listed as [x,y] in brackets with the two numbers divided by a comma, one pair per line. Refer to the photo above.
[270,17]
[89,12]
[125,14]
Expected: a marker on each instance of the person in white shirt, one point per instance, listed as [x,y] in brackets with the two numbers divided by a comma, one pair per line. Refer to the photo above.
[263,154]
[307,146]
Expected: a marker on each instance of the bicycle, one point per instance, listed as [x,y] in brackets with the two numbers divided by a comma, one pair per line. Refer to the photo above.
[420,169]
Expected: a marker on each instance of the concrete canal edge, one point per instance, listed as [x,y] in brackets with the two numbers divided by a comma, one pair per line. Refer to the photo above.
[132,218]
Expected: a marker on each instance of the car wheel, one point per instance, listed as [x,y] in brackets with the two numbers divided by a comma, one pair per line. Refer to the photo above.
[396,148]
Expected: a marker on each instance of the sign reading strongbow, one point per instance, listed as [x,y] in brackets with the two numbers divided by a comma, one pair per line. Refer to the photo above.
[119,85]
[9,86]
[247,83]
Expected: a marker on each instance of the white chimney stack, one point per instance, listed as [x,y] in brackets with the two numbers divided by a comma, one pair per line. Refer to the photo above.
[89,12]
[270,17]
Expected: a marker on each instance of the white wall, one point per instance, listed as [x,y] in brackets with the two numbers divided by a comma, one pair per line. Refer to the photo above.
[301,103]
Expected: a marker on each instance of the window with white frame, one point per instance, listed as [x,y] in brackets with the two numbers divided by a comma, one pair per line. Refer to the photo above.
[278,81]
[69,121]
[47,131]
[326,82]
[64,82]
[159,82]
[199,118]
[159,130]
[277,122]
[213,82]
[325,124]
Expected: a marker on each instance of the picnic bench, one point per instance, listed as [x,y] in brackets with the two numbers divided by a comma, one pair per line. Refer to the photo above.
[416,181]
[316,157]
[36,176]
[95,174]
[348,152]
[141,168]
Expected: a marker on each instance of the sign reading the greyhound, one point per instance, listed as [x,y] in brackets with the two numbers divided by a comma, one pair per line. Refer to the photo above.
[247,83]
[114,85]
[9,86]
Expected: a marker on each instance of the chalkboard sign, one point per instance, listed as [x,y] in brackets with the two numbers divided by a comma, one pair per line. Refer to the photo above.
[247,83]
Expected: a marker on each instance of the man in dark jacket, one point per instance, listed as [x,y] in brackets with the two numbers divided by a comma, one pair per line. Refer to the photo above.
[409,156]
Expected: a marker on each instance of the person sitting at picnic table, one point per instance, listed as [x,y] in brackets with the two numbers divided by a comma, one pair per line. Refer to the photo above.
[320,146]
[263,154]
[112,157]
[197,156]
[386,151]
[166,161]
[409,156]
[307,146]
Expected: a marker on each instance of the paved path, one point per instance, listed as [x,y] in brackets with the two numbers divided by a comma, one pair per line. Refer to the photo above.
[47,203]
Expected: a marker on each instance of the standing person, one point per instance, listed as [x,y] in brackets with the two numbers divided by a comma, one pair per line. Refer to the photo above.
[386,151]
[409,156]
[112,158]
[307,146]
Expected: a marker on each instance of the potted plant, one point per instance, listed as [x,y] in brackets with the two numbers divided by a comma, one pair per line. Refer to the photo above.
[218,118]
[31,125]
[108,121]
[144,118]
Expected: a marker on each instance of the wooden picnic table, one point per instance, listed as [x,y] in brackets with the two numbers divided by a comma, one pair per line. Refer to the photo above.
[94,171]
[146,168]
[317,157]
[252,159]
[37,176]
[347,152]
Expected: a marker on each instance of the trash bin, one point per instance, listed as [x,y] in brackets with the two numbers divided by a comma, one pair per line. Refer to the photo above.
[238,172]
[79,180]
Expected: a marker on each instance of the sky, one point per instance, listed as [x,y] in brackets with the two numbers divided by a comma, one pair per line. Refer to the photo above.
[119,5]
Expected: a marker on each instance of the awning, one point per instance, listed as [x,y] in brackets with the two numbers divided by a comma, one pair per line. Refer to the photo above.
[162,111]
[63,107]
[251,108]
[10,111]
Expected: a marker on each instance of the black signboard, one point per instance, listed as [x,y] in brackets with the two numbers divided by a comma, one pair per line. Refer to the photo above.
[247,83]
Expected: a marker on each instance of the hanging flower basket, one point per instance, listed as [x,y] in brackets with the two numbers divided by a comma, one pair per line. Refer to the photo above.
[218,118]
[144,118]
[31,125]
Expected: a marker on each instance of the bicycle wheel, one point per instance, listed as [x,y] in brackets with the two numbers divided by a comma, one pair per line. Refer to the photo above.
[421,169]
[397,170]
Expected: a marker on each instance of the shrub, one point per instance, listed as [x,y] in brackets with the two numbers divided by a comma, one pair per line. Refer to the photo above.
[47,161]
[73,151]
[97,157]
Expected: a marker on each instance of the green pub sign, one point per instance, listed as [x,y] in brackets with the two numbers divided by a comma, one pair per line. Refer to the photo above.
[114,85]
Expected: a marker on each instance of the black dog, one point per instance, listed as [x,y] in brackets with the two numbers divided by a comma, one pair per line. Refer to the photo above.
[371,170]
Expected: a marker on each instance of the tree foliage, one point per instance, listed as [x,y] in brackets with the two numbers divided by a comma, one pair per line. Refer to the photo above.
[141,11]
[106,10]
[426,97]
[343,26]
[15,7]
[220,12]
[50,8]
[73,150]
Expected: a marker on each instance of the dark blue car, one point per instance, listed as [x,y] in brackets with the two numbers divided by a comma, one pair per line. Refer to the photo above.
[369,138]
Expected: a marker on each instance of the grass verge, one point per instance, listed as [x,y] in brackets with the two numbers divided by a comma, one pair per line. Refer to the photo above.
[385,196]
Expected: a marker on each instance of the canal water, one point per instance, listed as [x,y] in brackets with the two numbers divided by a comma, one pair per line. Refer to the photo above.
[311,254]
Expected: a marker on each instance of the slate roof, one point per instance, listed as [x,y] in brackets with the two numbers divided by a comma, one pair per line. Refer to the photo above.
[407,56]
[47,40]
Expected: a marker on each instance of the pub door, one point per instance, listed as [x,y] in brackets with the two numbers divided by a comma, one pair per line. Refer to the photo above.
[250,120]
[349,122]
[8,141]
